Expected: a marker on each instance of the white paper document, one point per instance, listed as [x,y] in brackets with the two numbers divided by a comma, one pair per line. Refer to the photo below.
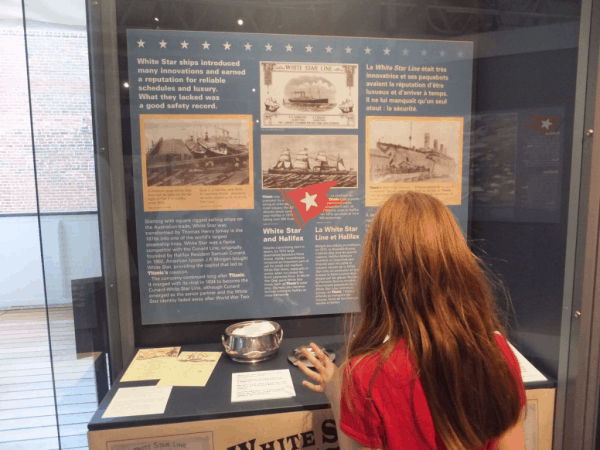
[264,385]
[138,401]
[528,371]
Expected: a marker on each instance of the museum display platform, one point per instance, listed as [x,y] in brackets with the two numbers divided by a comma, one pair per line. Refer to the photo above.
[205,418]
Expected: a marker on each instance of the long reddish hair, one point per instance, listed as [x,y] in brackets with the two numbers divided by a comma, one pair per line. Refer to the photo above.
[419,282]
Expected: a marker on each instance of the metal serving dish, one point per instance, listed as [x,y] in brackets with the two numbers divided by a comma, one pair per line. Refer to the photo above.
[251,349]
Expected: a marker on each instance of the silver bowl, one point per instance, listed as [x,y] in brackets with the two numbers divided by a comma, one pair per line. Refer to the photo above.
[251,349]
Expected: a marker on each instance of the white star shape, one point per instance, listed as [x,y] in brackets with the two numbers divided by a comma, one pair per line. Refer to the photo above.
[423,52]
[308,49]
[206,45]
[405,52]
[309,201]
[442,53]
[288,48]
[460,54]
[140,43]
[328,48]
[248,46]
[227,46]
[387,51]
[546,124]
[163,44]
[367,51]
[184,44]
[268,47]
[348,49]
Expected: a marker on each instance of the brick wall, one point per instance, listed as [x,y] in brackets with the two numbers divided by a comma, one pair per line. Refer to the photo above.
[62,124]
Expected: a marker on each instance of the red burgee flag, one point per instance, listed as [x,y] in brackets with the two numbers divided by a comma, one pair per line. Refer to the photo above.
[310,201]
[543,123]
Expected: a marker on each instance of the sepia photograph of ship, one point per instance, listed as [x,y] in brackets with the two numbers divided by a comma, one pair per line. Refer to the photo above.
[295,161]
[408,151]
[309,95]
[198,151]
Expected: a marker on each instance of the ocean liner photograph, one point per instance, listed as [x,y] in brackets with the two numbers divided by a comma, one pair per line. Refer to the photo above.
[414,151]
[294,161]
[196,152]
[308,95]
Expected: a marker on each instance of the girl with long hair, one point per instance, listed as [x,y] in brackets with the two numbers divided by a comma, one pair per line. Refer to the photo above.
[427,366]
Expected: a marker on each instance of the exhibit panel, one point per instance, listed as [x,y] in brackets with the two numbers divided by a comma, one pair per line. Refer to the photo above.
[258,160]
[255,143]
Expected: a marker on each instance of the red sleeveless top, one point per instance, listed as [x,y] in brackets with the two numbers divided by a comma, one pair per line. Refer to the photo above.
[398,413]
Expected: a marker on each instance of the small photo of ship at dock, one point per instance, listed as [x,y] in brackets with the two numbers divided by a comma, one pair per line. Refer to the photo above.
[407,151]
[294,161]
[196,152]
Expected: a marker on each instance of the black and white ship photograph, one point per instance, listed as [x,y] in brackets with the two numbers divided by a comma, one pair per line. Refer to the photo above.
[294,161]
[493,158]
[197,150]
[408,151]
[315,95]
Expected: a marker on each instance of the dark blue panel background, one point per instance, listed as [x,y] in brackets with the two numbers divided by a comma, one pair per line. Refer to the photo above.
[241,95]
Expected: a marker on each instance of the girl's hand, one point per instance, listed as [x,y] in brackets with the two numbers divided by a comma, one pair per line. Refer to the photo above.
[327,375]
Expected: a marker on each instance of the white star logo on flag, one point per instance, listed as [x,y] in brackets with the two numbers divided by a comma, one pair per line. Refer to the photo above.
[308,49]
[140,43]
[367,51]
[248,46]
[184,44]
[206,45]
[309,201]
[442,53]
[328,48]
[348,49]
[227,46]
[288,48]
[423,52]
[268,47]
[405,52]
[163,44]
[546,124]
[386,51]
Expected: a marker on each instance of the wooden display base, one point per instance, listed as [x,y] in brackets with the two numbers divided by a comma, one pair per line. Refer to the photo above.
[285,431]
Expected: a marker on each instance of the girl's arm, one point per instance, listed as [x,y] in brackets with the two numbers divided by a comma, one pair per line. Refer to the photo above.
[329,383]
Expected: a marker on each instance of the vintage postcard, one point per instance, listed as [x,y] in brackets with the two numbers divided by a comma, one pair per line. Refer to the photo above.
[308,95]
[423,154]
